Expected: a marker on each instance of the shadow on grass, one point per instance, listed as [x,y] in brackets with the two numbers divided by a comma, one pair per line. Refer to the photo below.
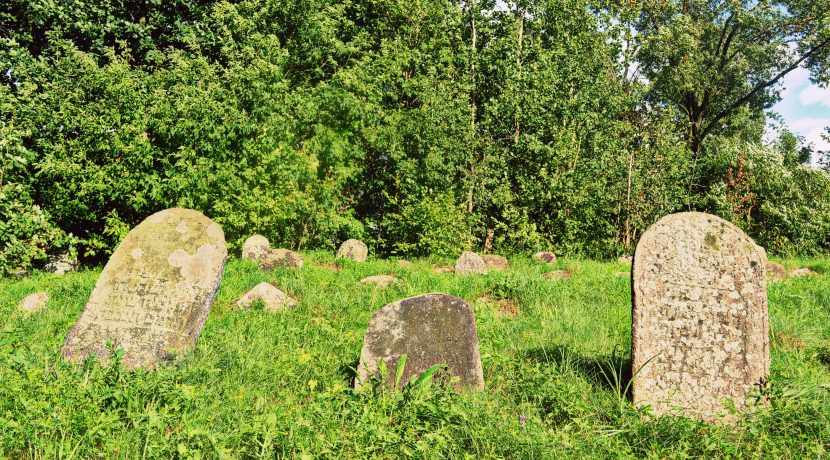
[612,372]
[349,371]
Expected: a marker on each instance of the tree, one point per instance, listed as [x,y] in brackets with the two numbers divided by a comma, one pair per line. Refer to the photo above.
[719,61]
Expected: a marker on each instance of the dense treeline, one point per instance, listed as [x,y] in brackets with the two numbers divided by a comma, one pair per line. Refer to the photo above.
[421,126]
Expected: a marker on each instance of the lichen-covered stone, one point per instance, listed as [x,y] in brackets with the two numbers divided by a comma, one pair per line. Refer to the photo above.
[255,247]
[439,269]
[61,264]
[274,258]
[546,257]
[699,324]
[625,260]
[379,280]
[429,329]
[155,292]
[353,249]
[470,263]
[33,302]
[495,263]
[271,297]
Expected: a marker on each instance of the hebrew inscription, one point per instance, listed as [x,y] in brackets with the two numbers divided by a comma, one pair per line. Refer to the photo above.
[155,293]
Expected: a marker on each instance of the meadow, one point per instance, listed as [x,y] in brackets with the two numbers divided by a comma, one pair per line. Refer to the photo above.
[279,385]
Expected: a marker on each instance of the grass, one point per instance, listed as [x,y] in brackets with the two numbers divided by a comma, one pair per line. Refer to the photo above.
[273,385]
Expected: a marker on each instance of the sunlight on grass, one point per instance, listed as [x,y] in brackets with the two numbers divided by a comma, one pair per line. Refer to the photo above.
[265,385]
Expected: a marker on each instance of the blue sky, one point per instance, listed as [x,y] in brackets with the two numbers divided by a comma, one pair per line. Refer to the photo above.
[805,107]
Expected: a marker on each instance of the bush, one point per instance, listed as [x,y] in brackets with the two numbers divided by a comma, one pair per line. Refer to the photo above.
[432,226]
[27,233]
[784,205]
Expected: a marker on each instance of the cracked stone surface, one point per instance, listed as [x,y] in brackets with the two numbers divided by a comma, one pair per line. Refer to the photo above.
[700,334]
[429,329]
[353,249]
[470,263]
[155,292]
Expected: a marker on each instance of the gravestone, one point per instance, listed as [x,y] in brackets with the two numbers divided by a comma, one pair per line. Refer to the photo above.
[274,258]
[546,257]
[700,335]
[353,249]
[495,263]
[470,263]
[33,302]
[61,263]
[403,263]
[255,247]
[775,271]
[429,329]
[271,297]
[804,271]
[557,274]
[155,292]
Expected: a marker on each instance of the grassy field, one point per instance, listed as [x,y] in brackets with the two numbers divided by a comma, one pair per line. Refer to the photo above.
[274,385]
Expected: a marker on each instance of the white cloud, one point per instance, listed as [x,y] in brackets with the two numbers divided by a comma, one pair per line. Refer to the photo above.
[814,94]
[793,82]
[812,129]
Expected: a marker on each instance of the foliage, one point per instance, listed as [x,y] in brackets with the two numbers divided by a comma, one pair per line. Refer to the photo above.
[422,127]
[784,204]
[431,226]
[27,233]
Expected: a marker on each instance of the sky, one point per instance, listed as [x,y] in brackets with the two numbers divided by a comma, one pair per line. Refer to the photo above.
[805,108]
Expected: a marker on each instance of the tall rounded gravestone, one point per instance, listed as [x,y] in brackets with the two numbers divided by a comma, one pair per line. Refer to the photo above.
[699,321]
[353,249]
[429,329]
[155,292]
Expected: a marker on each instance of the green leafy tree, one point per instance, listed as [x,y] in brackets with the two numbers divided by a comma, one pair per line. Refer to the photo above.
[720,62]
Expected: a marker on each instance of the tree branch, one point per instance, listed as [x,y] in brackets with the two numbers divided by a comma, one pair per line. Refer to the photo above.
[723,113]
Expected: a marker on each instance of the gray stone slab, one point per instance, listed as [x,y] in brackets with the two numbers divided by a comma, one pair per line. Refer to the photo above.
[700,334]
[429,329]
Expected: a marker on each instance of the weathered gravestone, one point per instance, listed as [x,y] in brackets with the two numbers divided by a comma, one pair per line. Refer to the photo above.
[155,293]
[429,329]
[255,247]
[379,280]
[33,302]
[546,257]
[274,258]
[353,249]
[699,323]
[61,263]
[495,263]
[272,298]
[470,263]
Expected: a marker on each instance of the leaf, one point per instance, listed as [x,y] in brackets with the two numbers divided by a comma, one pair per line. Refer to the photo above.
[424,381]
[399,370]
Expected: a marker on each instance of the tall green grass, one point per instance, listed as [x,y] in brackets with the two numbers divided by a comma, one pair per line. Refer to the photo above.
[274,385]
